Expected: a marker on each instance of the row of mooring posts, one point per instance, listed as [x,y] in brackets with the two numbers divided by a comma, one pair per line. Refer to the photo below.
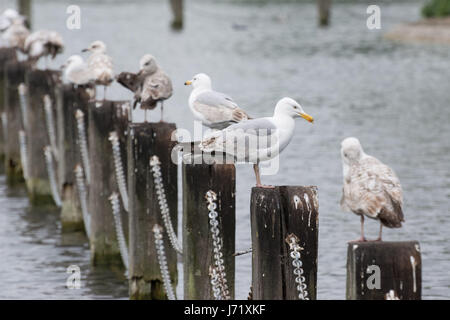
[118,182]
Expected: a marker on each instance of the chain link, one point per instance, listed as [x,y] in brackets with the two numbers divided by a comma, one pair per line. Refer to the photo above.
[295,249]
[4,119]
[115,204]
[79,115]
[211,197]
[164,207]
[159,244]
[120,175]
[52,175]
[23,102]
[23,153]
[50,125]
[79,176]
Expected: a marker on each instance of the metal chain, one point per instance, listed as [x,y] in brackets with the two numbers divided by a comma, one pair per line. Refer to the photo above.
[157,177]
[23,101]
[4,119]
[79,115]
[23,153]
[120,175]
[211,197]
[159,244]
[50,125]
[114,198]
[215,283]
[79,176]
[295,248]
[52,176]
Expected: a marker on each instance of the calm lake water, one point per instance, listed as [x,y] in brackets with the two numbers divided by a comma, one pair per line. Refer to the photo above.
[393,97]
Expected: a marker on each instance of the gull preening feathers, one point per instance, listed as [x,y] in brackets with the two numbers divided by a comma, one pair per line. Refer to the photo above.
[259,139]
[43,43]
[371,188]
[150,85]
[214,109]
[100,64]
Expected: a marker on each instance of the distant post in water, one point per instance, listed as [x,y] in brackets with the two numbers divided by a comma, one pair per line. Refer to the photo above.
[39,83]
[198,255]
[104,117]
[12,120]
[25,9]
[144,141]
[6,54]
[177,12]
[380,270]
[68,100]
[324,7]
[284,223]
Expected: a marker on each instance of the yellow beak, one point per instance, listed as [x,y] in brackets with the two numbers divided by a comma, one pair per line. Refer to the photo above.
[307,117]
[188,83]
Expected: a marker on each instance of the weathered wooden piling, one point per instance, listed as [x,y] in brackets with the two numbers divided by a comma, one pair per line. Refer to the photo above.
[39,83]
[144,141]
[6,54]
[177,12]
[276,215]
[12,120]
[324,8]
[68,100]
[198,256]
[378,269]
[104,117]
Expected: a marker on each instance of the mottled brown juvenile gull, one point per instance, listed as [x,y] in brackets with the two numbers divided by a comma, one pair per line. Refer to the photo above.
[214,109]
[100,64]
[371,188]
[43,43]
[259,139]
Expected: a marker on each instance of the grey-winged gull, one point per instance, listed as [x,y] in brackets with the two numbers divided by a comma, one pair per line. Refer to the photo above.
[100,64]
[150,85]
[76,72]
[371,188]
[214,109]
[43,43]
[259,139]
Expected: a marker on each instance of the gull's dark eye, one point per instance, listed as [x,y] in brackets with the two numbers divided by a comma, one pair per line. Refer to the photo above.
[147,63]
[345,154]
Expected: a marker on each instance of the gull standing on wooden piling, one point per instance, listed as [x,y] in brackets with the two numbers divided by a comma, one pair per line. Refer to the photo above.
[214,109]
[76,72]
[247,141]
[100,64]
[14,29]
[43,43]
[371,188]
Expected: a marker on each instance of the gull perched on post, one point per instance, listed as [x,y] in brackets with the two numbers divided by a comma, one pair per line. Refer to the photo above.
[214,109]
[259,139]
[76,72]
[14,29]
[150,85]
[43,43]
[100,64]
[371,188]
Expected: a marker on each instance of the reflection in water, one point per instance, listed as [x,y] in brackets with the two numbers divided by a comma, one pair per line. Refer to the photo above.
[393,97]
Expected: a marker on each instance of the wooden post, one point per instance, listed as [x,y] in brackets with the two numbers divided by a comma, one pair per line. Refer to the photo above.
[69,99]
[275,214]
[144,141]
[324,7]
[375,268]
[197,239]
[14,75]
[6,54]
[104,117]
[177,11]
[25,10]
[39,83]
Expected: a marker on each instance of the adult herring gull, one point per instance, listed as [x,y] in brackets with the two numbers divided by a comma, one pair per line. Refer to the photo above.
[259,139]
[371,188]
[100,64]
[214,109]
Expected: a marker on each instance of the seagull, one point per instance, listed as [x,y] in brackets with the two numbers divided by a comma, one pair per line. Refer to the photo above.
[15,32]
[100,64]
[247,141]
[7,18]
[43,43]
[214,109]
[76,72]
[371,188]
